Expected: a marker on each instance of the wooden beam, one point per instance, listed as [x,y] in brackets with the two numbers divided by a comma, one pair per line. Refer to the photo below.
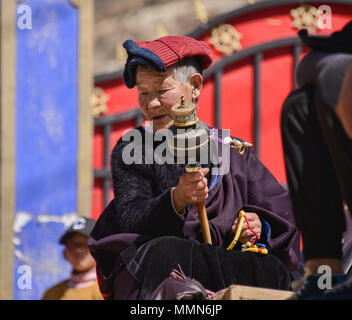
[7,143]
[85,117]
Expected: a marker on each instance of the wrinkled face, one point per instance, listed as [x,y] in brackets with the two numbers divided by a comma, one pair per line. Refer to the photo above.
[157,93]
[77,253]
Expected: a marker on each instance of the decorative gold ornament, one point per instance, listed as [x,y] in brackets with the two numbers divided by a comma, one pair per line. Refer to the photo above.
[184,113]
[121,54]
[306,17]
[99,102]
[225,38]
[161,30]
[240,146]
[200,11]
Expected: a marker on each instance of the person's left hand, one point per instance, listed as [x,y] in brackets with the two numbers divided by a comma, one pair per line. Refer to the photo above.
[246,234]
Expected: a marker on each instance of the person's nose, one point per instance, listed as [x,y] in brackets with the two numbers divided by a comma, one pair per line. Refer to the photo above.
[154,102]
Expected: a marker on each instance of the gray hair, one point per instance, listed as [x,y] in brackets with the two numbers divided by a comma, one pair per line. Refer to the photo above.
[184,69]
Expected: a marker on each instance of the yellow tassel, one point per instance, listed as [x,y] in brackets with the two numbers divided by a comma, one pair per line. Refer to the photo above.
[238,232]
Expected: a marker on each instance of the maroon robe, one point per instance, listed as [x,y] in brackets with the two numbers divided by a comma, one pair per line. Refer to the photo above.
[142,206]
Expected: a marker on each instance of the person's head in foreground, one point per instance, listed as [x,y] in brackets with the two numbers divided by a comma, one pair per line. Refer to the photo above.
[162,70]
[76,250]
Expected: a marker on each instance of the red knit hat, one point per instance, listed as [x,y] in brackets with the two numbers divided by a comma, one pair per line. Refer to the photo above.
[163,53]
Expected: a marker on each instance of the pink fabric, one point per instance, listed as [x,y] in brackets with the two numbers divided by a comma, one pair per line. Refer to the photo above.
[83,279]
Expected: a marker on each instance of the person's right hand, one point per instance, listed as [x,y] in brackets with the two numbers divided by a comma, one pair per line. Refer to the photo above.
[191,189]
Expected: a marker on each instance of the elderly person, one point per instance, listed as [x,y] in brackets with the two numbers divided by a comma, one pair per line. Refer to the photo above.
[152,225]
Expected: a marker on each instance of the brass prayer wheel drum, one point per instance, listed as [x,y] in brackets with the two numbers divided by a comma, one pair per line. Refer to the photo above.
[190,140]
[189,145]
[184,113]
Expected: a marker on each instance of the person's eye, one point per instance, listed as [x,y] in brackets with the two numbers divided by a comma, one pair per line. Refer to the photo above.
[163,91]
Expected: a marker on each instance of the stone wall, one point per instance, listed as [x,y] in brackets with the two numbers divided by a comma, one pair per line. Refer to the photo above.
[118,20]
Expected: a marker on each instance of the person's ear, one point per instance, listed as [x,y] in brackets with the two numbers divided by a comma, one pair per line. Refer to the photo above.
[196,82]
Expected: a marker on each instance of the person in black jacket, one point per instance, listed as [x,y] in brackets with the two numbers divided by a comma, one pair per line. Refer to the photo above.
[317,140]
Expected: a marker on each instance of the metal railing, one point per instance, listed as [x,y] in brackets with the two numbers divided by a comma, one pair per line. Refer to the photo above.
[256,53]
[216,71]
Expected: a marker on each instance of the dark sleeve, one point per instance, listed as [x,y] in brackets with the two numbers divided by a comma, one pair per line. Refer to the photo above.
[138,209]
[271,202]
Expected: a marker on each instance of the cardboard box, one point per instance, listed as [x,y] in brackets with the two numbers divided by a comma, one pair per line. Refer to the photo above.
[236,292]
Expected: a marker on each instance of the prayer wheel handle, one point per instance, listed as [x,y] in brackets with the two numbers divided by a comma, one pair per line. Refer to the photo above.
[202,213]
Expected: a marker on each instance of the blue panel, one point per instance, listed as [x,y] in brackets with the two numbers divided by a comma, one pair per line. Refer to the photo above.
[46,141]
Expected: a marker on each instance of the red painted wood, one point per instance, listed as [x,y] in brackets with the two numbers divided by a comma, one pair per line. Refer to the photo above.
[236,92]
